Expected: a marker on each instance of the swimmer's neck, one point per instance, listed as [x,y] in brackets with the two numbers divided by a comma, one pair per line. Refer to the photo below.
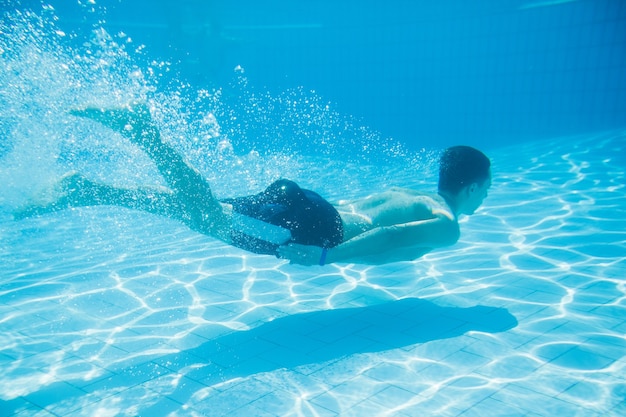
[451,201]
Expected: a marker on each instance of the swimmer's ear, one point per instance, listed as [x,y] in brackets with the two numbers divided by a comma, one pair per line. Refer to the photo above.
[471,189]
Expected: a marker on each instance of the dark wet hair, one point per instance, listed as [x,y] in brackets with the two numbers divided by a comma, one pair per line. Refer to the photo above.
[461,166]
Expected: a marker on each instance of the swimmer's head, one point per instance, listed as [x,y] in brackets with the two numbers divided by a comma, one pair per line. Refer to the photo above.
[460,167]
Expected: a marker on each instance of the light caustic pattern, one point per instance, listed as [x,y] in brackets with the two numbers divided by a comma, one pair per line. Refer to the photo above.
[105,311]
[130,313]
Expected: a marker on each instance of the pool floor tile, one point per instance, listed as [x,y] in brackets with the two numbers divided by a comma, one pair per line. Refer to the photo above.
[524,316]
[492,407]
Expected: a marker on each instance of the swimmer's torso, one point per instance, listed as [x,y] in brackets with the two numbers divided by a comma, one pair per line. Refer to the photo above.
[391,207]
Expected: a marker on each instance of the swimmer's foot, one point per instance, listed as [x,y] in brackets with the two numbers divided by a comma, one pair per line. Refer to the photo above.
[72,190]
[133,122]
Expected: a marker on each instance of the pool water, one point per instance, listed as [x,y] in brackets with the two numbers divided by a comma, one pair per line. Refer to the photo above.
[106,311]
[111,312]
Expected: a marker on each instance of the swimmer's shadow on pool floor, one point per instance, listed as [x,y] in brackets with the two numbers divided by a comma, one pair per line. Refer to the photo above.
[322,336]
[302,339]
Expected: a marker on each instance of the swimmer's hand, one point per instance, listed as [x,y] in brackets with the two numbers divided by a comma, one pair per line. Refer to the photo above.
[301,254]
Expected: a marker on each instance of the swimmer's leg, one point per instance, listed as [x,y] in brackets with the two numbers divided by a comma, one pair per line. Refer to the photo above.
[74,190]
[202,211]
[133,122]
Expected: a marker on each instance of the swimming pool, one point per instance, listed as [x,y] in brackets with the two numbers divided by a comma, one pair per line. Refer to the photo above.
[106,311]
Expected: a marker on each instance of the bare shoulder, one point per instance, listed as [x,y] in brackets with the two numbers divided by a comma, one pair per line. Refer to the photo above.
[412,192]
[427,202]
[418,194]
[398,205]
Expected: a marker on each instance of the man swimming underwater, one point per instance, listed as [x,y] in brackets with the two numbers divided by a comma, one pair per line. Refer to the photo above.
[285,220]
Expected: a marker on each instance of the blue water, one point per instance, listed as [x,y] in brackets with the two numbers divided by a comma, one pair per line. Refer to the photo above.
[106,311]
[425,73]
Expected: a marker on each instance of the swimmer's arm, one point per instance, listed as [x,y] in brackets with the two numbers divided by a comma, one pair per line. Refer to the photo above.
[369,247]
[423,235]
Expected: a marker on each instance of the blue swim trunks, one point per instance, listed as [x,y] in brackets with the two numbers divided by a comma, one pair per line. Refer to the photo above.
[284,213]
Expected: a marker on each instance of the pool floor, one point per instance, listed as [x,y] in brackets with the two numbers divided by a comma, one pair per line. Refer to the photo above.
[108,312]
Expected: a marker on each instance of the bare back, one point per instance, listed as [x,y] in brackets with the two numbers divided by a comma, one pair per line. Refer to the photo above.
[392,207]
